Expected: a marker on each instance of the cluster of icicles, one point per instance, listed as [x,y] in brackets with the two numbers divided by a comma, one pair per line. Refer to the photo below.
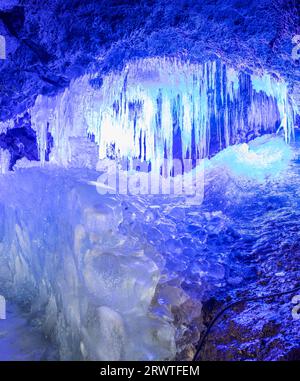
[156,105]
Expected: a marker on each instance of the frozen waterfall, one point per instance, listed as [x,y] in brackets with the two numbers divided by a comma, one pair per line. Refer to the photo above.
[158,109]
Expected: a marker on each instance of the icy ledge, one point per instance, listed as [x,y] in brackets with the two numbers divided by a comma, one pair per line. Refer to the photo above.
[90,287]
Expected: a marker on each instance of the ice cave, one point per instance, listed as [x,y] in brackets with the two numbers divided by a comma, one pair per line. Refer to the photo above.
[149,180]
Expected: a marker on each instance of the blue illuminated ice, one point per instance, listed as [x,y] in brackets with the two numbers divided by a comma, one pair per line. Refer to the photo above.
[102,274]
[4,161]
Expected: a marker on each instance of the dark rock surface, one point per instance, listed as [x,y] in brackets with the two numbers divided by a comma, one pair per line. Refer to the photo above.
[21,141]
[50,42]
[268,264]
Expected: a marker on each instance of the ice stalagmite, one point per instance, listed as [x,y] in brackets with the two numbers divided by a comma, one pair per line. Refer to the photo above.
[162,108]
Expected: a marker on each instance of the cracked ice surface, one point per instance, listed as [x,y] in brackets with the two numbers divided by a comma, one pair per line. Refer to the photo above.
[90,286]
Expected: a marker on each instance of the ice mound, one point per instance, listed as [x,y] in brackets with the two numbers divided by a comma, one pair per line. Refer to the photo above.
[264,157]
[91,287]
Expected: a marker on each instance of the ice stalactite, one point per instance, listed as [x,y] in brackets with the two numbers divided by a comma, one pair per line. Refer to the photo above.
[160,108]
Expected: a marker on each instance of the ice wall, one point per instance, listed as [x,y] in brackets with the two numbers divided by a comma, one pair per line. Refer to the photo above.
[161,108]
[88,286]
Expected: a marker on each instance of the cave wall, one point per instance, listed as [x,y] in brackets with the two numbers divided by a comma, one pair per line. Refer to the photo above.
[50,42]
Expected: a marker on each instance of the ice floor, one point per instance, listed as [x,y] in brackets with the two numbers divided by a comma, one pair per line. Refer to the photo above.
[124,277]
